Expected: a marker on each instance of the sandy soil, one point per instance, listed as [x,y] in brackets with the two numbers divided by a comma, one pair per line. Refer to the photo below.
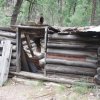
[38,90]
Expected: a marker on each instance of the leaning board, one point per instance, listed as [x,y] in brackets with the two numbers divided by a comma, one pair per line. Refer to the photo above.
[5,58]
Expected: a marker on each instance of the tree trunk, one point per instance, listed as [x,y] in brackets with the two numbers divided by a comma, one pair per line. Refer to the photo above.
[16,12]
[74,6]
[93,11]
[60,4]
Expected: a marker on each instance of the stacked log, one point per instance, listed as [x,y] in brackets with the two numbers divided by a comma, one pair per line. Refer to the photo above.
[10,35]
[97,76]
[72,53]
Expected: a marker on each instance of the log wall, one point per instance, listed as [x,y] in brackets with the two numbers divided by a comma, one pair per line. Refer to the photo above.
[72,53]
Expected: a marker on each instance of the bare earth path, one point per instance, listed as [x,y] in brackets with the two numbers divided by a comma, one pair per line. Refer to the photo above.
[38,90]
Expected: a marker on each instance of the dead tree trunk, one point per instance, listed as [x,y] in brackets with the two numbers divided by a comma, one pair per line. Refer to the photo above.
[16,12]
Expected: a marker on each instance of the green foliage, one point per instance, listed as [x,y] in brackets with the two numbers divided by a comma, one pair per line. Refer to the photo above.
[67,13]
[23,15]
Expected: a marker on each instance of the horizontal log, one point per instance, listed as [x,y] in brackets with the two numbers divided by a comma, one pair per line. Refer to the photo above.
[71,63]
[72,52]
[74,58]
[7,34]
[70,70]
[43,78]
[7,29]
[69,46]
[72,38]
[73,42]
[13,41]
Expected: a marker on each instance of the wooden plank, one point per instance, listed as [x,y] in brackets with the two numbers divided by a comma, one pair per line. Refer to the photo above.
[5,61]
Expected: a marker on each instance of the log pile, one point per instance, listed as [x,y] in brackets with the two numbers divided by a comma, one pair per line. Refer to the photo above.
[97,76]
[72,53]
[10,35]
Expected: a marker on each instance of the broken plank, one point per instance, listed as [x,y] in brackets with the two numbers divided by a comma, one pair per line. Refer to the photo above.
[5,61]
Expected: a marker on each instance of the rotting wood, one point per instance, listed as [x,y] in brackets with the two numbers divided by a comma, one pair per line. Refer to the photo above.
[43,78]
[5,61]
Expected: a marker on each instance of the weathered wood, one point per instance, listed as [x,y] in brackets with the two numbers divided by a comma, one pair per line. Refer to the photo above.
[13,48]
[8,29]
[18,51]
[5,61]
[13,41]
[7,34]
[72,52]
[24,61]
[43,78]
[71,63]
[74,58]
[74,42]
[53,29]
[29,45]
[72,38]
[24,43]
[69,46]
[13,55]
[70,69]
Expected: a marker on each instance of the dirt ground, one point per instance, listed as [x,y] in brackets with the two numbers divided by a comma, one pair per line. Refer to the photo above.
[38,90]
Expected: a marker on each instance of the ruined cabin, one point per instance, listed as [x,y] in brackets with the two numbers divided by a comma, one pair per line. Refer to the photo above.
[68,53]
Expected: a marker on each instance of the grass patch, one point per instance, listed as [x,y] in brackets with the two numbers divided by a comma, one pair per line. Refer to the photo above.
[61,88]
[81,89]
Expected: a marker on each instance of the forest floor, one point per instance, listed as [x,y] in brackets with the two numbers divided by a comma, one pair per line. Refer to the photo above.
[38,90]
